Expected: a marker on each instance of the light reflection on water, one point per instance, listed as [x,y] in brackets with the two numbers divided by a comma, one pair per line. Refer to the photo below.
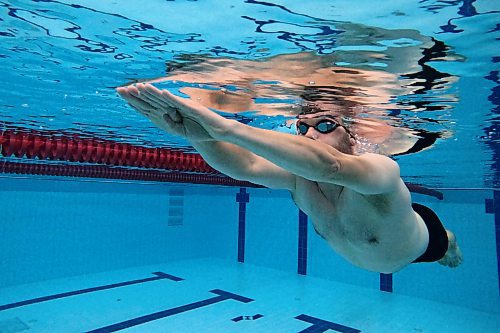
[254,61]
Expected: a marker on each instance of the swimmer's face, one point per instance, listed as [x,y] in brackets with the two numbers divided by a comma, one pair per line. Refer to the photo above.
[326,128]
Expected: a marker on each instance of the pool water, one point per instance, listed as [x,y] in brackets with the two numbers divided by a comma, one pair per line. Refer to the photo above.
[83,252]
[81,256]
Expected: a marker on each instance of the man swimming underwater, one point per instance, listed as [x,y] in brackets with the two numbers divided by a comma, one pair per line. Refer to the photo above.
[357,203]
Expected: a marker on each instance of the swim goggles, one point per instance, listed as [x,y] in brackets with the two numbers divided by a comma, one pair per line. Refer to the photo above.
[324,126]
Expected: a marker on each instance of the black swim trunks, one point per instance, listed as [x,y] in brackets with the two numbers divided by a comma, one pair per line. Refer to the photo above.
[438,238]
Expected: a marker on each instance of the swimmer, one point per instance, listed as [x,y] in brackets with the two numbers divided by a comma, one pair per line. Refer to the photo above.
[358,203]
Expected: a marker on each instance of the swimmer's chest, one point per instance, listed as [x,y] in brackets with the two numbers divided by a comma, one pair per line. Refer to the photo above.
[344,212]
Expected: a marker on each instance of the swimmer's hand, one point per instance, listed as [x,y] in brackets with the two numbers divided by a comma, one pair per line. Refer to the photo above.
[148,100]
[214,124]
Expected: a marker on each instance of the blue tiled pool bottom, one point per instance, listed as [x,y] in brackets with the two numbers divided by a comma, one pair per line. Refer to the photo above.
[211,295]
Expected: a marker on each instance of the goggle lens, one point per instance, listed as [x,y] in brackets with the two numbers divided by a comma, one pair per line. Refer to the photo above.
[324,126]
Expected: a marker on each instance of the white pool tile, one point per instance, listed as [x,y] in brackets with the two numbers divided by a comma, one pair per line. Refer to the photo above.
[278,296]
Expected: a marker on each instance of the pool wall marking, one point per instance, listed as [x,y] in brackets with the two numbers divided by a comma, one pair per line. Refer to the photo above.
[386,282]
[496,209]
[222,296]
[159,276]
[176,206]
[242,198]
[492,206]
[302,248]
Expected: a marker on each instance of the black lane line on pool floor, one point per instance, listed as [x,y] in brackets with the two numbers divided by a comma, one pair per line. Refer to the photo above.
[159,276]
[320,325]
[222,296]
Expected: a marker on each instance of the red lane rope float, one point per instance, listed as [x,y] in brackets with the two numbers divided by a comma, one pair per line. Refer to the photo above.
[36,145]
[102,171]
[32,145]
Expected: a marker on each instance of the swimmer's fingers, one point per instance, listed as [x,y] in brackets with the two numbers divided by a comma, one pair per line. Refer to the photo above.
[157,116]
[134,102]
[182,104]
[152,93]
[155,95]
[147,105]
[186,107]
[149,97]
[138,100]
[138,93]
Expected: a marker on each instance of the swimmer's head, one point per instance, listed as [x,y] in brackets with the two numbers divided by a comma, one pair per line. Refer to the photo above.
[326,127]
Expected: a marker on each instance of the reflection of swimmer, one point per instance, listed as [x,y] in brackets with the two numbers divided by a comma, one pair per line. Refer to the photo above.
[361,95]
[357,203]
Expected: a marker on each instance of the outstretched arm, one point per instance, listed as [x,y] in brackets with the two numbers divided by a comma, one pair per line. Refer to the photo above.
[316,161]
[225,157]
[241,164]
[313,160]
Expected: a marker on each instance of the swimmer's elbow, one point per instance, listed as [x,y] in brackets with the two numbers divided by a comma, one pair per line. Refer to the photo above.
[365,174]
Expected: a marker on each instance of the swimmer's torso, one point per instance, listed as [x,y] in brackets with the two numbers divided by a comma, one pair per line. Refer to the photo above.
[376,232]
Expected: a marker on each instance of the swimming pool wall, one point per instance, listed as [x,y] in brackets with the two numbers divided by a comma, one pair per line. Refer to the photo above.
[54,227]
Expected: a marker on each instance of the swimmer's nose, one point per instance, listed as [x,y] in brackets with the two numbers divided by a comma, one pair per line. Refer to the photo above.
[311,134]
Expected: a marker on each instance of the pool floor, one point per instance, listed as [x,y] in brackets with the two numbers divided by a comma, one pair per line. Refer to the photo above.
[212,295]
